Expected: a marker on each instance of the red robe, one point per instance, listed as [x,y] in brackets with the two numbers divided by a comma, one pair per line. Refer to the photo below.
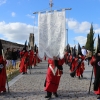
[31,58]
[73,65]
[35,59]
[2,76]
[92,62]
[44,57]
[23,63]
[53,76]
[81,68]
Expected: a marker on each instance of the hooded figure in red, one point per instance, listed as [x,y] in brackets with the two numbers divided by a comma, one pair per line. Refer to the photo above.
[31,58]
[24,60]
[72,65]
[53,76]
[81,68]
[2,71]
[78,64]
[95,62]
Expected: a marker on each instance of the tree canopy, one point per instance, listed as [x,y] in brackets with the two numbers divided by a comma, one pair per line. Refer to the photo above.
[90,40]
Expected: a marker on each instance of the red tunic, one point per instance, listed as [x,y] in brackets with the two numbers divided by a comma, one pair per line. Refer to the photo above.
[2,76]
[73,65]
[53,76]
[45,58]
[92,61]
[81,68]
[23,63]
[35,60]
[31,58]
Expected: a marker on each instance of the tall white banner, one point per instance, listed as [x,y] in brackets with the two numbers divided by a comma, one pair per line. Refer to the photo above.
[52,30]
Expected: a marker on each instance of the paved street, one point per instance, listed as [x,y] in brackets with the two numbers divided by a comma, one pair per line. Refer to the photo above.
[31,86]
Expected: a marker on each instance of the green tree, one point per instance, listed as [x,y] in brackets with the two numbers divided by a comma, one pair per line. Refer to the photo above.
[90,40]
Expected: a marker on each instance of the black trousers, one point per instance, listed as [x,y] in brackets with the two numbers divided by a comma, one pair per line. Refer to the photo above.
[49,94]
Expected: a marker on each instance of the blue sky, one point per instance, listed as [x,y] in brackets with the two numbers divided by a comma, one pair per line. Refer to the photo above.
[17,19]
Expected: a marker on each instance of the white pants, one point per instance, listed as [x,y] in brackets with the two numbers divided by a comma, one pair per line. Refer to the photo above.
[8,63]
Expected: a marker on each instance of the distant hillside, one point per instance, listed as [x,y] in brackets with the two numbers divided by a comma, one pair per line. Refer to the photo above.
[7,44]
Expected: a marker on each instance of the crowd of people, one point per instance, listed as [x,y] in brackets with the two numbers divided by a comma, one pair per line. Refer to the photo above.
[74,59]
[11,56]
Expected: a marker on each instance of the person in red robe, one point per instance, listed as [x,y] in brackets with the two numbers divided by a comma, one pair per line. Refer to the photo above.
[80,58]
[81,68]
[95,62]
[78,64]
[53,76]
[72,65]
[2,72]
[24,62]
[31,58]
[35,59]
[68,55]
[2,75]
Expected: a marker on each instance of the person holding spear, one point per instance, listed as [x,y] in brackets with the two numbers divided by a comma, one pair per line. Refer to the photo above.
[95,62]
[3,76]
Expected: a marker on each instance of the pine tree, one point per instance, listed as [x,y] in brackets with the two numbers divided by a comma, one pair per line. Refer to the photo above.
[90,40]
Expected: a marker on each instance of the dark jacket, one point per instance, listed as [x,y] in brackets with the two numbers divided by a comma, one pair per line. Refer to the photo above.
[8,55]
[14,55]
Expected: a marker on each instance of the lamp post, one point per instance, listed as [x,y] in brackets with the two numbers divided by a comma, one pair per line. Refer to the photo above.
[67,35]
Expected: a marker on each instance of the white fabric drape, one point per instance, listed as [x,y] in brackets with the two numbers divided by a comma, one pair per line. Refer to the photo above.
[52,30]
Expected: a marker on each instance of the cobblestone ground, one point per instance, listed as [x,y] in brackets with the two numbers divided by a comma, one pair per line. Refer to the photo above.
[31,87]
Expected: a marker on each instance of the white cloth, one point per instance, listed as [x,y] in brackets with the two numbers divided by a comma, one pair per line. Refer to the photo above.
[52,30]
[84,52]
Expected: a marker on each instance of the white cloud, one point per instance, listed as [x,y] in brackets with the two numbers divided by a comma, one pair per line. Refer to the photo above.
[13,14]
[81,40]
[2,2]
[97,31]
[30,16]
[82,27]
[17,32]
[77,27]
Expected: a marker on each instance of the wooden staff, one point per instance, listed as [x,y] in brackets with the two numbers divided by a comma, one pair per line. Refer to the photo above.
[6,73]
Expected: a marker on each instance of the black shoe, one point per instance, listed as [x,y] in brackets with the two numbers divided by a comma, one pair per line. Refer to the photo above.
[47,96]
[81,75]
[23,73]
[55,94]
[98,98]
[4,91]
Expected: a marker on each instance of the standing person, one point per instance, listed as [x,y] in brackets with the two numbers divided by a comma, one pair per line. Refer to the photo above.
[2,72]
[53,76]
[81,68]
[14,57]
[78,64]
[31,58]
[84,51]
[24,62]
[18,53]
[95,62]
[88,56]
[8,57]
[72,65]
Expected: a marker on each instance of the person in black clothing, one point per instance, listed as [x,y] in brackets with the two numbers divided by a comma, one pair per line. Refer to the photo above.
[14,57]
[18,53]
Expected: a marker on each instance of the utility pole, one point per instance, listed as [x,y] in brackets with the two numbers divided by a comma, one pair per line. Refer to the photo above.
[67,35]
[51,5]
